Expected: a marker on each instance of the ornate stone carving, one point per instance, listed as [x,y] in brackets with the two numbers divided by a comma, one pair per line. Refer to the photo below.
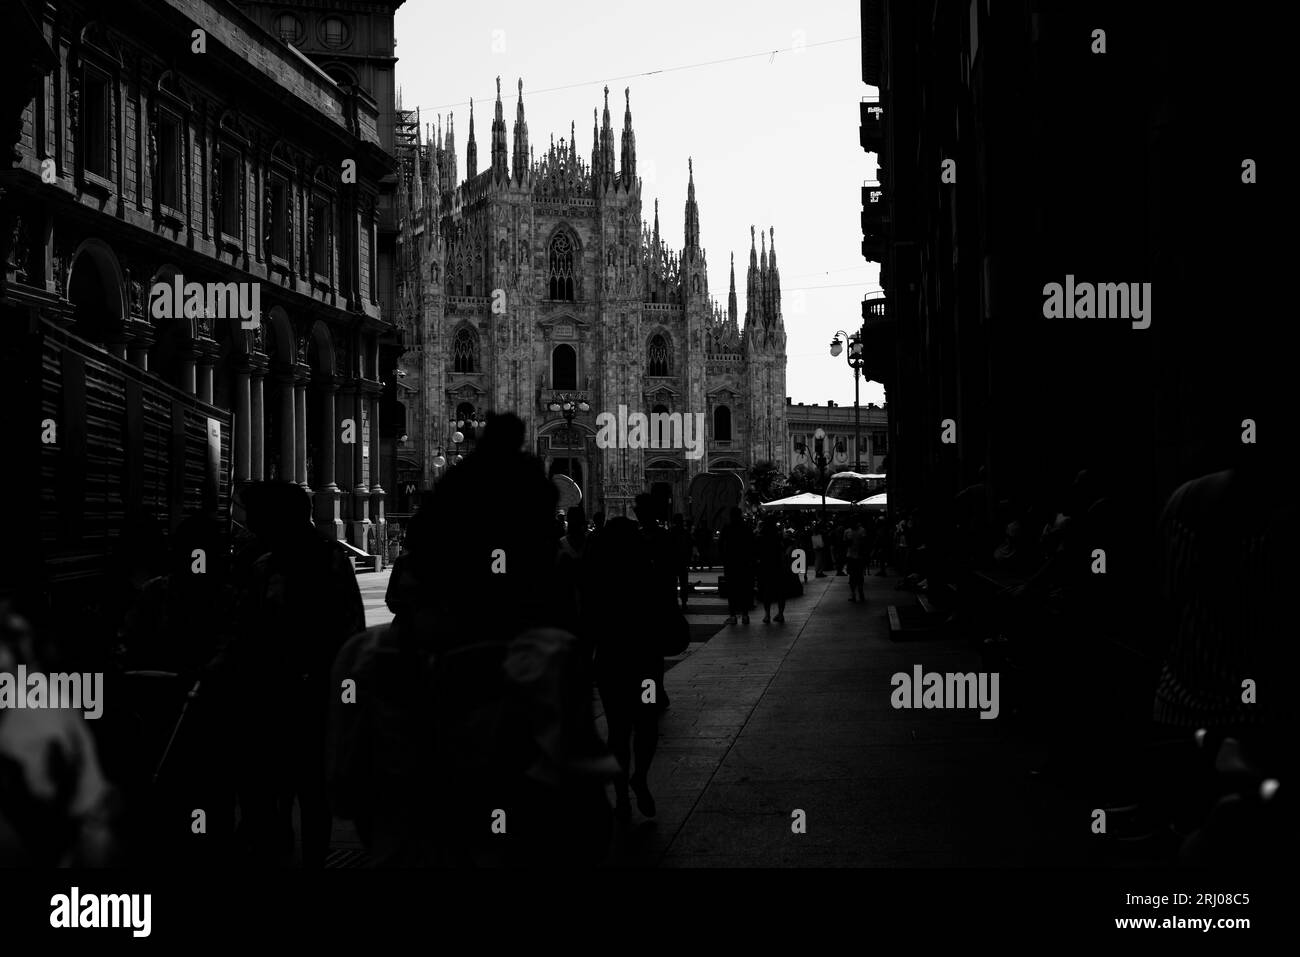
[216,190]
[267,218]
[311,234]
[19,251]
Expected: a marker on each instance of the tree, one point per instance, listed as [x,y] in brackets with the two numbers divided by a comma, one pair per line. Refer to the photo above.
[804,478]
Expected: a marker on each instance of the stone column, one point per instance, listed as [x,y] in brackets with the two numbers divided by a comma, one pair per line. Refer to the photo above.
[257,415]
[288,428]
[359,510]
[300,427]
[243,442]
[328,497]
[377,493]
[207,358]
[189,376]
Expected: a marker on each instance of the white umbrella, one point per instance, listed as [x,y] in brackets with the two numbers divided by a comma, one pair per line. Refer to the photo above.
[804,501]
[877,503]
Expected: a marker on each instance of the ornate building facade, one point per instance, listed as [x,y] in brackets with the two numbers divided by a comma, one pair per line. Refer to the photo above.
[535,280]
[160,141]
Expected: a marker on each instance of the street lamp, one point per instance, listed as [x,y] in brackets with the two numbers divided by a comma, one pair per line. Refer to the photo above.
[569,404]
[819,437]
[855,359]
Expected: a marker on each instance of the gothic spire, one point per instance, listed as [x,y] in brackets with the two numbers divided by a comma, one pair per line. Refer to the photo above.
[607,141]
[753,291]
[731,296]
[453,175]
[628,171]
[521,153]
[499,138]
[471,149]
[773,282]
[692,210]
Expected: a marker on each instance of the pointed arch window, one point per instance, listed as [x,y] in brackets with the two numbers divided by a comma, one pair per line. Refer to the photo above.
[722,424]
[657,358]
[564,367]
[464,351]
[561,267]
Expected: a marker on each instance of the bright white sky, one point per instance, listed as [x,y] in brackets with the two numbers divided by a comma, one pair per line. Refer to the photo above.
[774,138]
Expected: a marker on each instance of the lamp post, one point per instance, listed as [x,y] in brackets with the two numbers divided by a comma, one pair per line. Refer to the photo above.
[819,437]
[459,425]
[570,404]
[855,359]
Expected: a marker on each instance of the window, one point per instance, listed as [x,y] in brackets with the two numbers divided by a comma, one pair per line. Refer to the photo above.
[464,351]
[96,129]
[320,212]
[722,424]
[657,358]
[279,217]
[662,432]
[561,262]
[289,28]
[334,33]
[879,443]
[169,161]
[231,163]
[564,367]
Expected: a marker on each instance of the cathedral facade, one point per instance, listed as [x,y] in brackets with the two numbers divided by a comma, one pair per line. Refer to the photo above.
[534,286]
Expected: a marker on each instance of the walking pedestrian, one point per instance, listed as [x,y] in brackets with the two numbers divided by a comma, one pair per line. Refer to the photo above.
[300,605]
[855,555]
[621,592]
[737,545]
[680,541]
[773,571]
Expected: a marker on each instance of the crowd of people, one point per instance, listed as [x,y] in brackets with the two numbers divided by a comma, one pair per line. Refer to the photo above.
[245,685]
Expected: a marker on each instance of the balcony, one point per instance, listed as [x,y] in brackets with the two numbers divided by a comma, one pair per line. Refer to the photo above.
[872,130]
[875,308]
[875,217]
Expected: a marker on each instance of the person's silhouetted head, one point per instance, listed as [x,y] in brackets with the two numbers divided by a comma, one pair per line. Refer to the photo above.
[279,513]
[494,514]
[577,524]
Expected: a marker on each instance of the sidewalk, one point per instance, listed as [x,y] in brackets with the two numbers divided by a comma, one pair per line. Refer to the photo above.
[769,719]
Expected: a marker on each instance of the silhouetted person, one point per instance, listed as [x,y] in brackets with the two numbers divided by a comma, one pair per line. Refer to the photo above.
[402,591]
[620,593]
[680,542]
[737,546]
[569,568]
[475,701]
[182,624]
[704,543]
[773,569]
[855,554]
[300,604]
